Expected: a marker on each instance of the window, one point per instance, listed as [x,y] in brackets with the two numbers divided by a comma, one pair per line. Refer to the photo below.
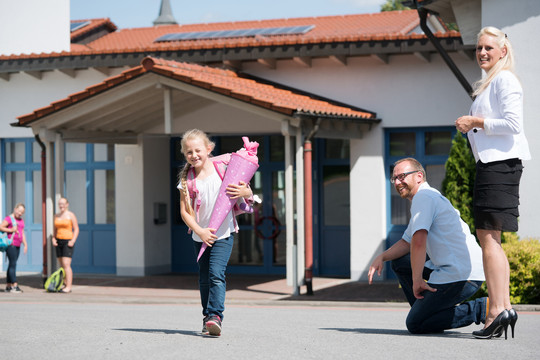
[76,193]
[15,152]
[430,147]
[90,182]
[337,149]
[20,167]
[103,152]
[104,190]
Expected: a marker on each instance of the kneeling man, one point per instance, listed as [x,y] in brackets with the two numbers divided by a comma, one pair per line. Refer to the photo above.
[454,270]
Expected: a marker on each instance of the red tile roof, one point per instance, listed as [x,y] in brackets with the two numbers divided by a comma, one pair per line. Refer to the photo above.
[222,81]
[94,24]
[391,25]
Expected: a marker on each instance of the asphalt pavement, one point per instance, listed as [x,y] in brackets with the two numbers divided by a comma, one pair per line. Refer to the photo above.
[110,317]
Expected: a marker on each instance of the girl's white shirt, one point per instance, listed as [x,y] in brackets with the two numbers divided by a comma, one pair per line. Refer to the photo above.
[208,190]
[501,106]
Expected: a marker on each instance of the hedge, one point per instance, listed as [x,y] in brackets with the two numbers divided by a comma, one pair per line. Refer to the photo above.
[524,259]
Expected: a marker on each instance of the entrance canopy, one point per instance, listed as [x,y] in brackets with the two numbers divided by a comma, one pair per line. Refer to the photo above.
[163,97]
[167,97]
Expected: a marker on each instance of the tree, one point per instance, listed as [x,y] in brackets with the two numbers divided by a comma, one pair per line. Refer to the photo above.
[392,5]
[458,184]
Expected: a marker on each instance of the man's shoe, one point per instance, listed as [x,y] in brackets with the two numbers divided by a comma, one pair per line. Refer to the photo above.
[8,288]
[214,325]
[16,289]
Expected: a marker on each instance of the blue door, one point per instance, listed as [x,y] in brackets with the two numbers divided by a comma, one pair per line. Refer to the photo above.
[331,195]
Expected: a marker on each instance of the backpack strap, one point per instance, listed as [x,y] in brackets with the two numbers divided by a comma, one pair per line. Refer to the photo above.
[193,192]
[13,225]
[13,221]
[221,167]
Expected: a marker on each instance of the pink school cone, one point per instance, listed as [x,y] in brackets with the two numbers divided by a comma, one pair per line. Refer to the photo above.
[239,169]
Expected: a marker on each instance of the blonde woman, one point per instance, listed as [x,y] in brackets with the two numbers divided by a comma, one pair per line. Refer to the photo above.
[494,127]
[66,231]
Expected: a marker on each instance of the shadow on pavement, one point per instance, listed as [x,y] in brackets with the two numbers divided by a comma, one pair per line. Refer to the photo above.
[356,291]
[445,334]
[240,286]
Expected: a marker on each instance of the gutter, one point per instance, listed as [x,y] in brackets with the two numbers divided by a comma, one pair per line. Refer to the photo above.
[308,208]
[43,205]
[423,13]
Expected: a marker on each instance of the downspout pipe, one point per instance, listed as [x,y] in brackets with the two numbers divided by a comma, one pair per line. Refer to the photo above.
[423,14]
[308,207]
[43,205]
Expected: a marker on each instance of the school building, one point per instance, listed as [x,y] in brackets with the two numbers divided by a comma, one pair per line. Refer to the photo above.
[95,113]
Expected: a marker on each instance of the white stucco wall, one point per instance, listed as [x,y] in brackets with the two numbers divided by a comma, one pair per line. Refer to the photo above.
[520,21]
[130,212]
[406,92]
[142,179]
[157,189]
[22,23]
[23,93]
[368,207]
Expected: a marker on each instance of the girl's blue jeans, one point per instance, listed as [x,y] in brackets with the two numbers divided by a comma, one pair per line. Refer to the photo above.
[443,309]
[212,284]
[12,253]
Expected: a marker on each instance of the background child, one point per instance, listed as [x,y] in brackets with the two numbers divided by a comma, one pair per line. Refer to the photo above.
[17,235]
[196,205]
[66,231]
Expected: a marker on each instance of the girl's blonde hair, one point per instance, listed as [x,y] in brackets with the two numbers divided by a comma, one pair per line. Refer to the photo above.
[19,205]
[505,63]
[189,135]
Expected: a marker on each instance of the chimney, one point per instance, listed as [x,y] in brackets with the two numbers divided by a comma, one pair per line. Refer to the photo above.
[165,14]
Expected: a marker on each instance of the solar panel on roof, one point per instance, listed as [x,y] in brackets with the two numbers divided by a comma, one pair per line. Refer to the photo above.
[222,34]
[78,25]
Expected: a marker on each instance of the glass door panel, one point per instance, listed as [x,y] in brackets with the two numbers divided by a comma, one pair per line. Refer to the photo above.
[248,246]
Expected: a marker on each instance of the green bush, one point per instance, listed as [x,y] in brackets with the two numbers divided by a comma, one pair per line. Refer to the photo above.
[524,259]
[458,183]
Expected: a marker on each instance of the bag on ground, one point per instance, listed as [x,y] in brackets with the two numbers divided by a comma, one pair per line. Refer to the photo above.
[55,282]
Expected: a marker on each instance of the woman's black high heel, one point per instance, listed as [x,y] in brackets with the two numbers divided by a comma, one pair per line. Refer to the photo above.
[500,323]
[513,319]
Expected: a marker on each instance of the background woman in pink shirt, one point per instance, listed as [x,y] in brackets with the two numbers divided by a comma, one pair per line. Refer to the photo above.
[12,252]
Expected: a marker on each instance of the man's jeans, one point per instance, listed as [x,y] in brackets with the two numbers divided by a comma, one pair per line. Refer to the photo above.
[438,311]
[212,266]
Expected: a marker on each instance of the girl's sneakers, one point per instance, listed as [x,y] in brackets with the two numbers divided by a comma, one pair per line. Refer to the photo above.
[204,329]
[213,325]
[14,289]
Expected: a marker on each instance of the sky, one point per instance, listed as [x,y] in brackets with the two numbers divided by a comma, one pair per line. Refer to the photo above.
[142,13]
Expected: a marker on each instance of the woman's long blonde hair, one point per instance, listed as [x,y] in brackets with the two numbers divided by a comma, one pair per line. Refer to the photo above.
[505,63]
[189,135]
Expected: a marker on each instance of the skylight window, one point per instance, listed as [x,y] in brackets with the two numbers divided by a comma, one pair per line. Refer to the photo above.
[222,34]
[76,25]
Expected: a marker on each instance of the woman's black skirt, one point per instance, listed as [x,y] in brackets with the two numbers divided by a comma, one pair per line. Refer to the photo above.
[496,195]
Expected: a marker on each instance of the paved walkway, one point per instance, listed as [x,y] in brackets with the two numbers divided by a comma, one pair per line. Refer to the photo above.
[110,317]
[241,289]
[184,289]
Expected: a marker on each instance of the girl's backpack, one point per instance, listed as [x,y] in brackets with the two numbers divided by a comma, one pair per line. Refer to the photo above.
[55,282]
[5,240]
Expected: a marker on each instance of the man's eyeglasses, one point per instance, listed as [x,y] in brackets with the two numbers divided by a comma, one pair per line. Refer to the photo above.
[402,176]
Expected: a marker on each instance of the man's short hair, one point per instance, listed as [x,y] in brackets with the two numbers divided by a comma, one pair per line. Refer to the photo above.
[415,165]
